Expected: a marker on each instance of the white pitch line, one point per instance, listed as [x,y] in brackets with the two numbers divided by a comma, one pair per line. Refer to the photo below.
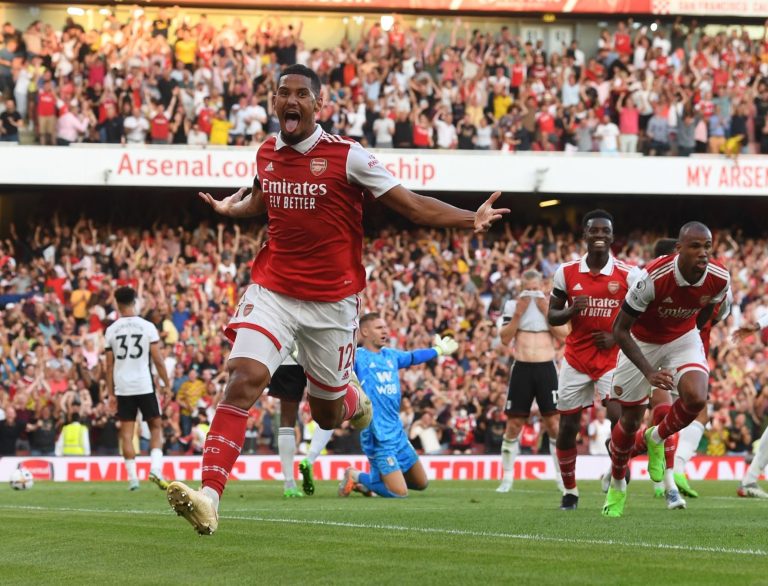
[431,530]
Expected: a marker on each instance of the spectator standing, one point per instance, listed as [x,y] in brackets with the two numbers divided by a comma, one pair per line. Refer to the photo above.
[629,124]
[608,133]
[599,430]
[10,122]
[658,133]
[136,127]
[46,114]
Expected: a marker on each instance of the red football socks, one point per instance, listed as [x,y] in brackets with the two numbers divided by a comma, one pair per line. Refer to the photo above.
[679,416]
[621,445]
[567,460]
[222,445]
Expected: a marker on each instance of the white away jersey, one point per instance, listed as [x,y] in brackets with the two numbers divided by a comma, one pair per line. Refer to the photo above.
[129,340]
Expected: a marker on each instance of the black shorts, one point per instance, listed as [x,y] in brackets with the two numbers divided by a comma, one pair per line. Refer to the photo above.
[288,383]
[129,405]
[529,381]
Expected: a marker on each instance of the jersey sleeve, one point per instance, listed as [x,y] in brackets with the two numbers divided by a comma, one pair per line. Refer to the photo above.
[723,293]
[509,311]
[559,288]
[365,170]
[633,275]
[641,293]
[725,307]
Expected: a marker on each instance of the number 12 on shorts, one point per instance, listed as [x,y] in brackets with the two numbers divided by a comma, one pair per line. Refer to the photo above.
[346,353]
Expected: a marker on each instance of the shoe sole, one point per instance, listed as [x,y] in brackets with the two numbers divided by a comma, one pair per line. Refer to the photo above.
[363,419]
[178,498]
[676,507]
[307,481]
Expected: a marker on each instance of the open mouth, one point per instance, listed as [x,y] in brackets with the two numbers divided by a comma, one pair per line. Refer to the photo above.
[292,119]
[599,243]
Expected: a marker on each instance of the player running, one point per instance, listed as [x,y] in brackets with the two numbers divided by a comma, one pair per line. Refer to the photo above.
[680,447]
[657,330]
[132,345]
[593,288]
[395,466]
[748,486]
[306,278]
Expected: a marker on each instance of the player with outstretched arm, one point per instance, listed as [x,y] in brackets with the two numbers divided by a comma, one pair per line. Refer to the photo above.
[305,279]
[395,466]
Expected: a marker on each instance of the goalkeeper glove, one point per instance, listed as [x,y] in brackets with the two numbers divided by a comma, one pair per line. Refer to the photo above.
[445,346]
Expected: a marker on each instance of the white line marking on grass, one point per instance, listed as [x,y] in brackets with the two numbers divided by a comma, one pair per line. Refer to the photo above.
[427,530]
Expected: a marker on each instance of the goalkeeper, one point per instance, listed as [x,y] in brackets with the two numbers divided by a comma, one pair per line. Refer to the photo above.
[395,466]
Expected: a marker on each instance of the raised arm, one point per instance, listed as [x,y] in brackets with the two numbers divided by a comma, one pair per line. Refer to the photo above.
[428,211]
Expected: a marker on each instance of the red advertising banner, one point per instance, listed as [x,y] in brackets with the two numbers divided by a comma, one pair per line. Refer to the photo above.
[742,8]
[96,469]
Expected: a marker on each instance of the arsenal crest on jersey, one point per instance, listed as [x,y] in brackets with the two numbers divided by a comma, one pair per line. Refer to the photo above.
[318,166]
[247,309]
[613,287]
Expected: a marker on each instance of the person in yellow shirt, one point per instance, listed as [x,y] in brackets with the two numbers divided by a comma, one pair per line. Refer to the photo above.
[220,127]
[79,299]
[186,49]
[74,439]
[189,395]
[501,101]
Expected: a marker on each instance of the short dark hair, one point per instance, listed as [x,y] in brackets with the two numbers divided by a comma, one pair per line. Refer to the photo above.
[125,295]
[369,317]
[298,69]
[598,213]
[664,246]
[693,226]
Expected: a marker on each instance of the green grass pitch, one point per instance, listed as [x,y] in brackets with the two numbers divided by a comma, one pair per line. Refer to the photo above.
[457,532]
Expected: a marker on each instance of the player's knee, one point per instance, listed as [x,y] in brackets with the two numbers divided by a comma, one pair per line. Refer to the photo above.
[569,425]
[327,420]
[399,492]
[247,379]
[419,485]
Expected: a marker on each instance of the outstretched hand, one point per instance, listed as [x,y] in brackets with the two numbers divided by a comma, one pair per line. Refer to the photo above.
[486,214]
[226,205]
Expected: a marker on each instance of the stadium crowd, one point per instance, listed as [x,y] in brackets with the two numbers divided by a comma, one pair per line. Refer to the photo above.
[176,78]
[57,280]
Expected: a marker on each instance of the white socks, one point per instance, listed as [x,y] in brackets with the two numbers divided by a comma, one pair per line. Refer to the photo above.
[213,495]
[655,435]
[759,462]
[320,439]
[619,484]
[286,447]
[510,448]
[130,467]
[669,480]
[156,465]
[558,475]
[688,440]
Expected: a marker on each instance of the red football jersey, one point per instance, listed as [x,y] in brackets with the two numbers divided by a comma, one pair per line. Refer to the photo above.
[606,291]
[667,304]
[314,195]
